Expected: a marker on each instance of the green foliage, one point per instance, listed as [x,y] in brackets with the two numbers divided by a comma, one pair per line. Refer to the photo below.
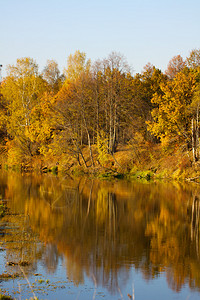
[54,170]
[142,174]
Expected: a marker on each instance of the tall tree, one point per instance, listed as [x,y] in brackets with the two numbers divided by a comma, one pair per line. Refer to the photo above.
[51,74]
[175,65]
[115,71]
[172,116]
[193,61]
[143,88]
[76,65]
[74,104]
[195,107]
[22,89]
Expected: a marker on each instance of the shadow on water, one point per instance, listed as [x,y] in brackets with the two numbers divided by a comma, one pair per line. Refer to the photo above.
[103,230]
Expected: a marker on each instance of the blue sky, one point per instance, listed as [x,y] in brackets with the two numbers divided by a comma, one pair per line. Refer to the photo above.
[142,30]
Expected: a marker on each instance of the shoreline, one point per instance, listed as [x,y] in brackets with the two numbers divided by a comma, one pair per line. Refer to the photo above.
[124,164]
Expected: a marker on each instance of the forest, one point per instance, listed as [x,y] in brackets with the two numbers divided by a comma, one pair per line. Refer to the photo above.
[101,118]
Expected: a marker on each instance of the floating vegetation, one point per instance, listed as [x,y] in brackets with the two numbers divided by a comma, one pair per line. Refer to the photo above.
[5,297]
[20,263]
[24,263]
[7,276]
[2,210]
[40,281]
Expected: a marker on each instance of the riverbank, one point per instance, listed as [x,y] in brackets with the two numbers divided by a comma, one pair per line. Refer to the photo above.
[146,160]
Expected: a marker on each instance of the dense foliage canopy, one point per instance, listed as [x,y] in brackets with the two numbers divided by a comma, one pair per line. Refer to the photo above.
[100,106]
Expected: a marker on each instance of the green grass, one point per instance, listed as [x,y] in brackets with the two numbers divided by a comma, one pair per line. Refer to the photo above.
[143,174]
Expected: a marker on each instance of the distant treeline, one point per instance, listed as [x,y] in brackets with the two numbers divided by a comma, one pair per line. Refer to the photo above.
[97,106]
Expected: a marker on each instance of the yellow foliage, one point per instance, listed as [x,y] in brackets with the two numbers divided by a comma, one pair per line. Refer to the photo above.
[102,147]
[15,155]
[172,114]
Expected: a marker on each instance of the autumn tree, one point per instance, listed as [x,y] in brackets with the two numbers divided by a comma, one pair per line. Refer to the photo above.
[21,89]
[175,65]
[115,72]
[73,106]
[77,64]
[172,116]
[194,108]
[143,88]
[193,61]
[78,74]
[51,74]
[98,90]
[43,125]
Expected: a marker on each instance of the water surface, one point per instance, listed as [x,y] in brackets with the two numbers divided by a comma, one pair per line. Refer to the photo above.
[91,239]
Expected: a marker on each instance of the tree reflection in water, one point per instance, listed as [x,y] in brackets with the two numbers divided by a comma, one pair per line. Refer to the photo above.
[102,229]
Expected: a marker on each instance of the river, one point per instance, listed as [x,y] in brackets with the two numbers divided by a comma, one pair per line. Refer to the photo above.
[82,238]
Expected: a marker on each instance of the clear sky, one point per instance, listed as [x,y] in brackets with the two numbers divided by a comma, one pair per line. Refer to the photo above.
[142,30]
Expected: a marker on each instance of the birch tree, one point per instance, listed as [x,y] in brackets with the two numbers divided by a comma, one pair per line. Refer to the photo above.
[75,103]
[115,72]
[52,76]
[21,89]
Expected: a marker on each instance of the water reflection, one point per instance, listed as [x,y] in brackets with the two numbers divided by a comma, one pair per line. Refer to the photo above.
[102,229]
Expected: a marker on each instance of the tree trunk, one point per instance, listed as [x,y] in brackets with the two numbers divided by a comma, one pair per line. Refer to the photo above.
[197,133]
[90,148]
[193,142]
[84,161]
[89,141]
